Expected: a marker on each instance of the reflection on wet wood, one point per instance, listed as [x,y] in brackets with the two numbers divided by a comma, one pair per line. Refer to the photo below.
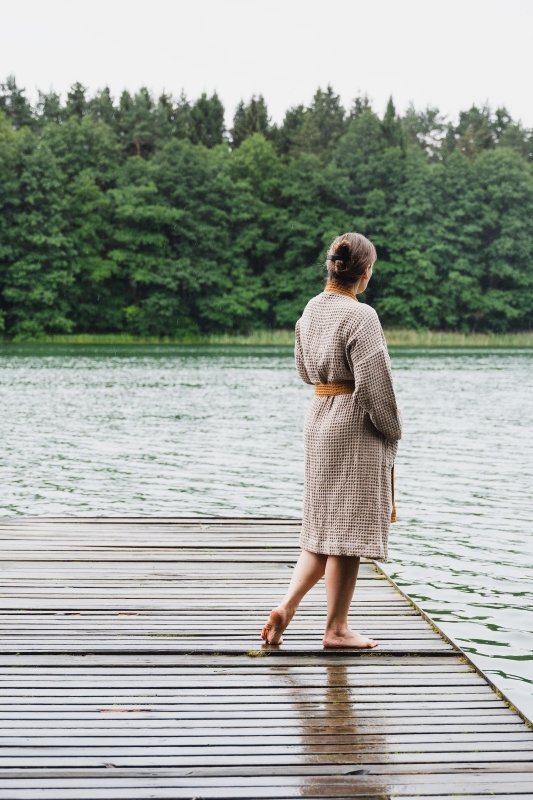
[131,666]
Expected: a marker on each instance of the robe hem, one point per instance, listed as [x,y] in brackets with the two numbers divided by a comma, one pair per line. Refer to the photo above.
[329,552]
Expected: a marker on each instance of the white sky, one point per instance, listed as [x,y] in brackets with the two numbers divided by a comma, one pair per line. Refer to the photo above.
[444,53]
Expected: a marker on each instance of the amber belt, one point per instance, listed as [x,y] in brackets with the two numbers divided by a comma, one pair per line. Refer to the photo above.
[347,387]
[337,387]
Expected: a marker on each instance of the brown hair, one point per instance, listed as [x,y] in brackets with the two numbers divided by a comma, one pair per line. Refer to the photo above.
[354,254]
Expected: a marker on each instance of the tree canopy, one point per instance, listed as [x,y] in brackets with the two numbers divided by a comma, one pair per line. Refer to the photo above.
[145,215]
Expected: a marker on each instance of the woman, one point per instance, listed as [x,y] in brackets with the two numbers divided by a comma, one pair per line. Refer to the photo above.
[351,434]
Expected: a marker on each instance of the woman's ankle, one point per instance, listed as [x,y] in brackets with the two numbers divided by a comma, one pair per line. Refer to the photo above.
[336,628]
[289,607]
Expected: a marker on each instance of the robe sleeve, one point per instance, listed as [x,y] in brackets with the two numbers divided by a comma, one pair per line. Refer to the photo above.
[368,355]
[298,356]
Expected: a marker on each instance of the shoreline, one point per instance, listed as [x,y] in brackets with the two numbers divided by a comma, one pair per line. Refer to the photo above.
[396,337]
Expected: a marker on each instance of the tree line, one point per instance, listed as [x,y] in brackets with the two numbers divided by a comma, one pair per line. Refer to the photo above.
[147,215]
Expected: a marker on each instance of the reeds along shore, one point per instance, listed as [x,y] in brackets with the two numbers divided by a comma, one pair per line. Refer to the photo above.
[396,337]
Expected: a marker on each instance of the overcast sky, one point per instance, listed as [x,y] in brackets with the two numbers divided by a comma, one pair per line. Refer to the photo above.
[444,53]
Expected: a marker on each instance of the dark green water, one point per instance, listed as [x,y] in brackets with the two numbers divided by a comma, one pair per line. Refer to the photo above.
[164,430]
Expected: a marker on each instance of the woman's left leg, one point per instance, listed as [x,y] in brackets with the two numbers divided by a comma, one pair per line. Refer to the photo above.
[341,577]
[309,568]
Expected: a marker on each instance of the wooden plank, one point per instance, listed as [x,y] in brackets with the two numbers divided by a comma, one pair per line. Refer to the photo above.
[269,659]
[312,790]
[266,682]
[239,758]
[453,739]
[206,720]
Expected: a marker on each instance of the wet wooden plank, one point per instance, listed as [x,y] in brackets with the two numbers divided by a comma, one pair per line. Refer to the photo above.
[106,720]
[80,742]
[131,666]
[309,784]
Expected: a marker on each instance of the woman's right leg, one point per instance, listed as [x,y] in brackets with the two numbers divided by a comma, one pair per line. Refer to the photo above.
[309,568]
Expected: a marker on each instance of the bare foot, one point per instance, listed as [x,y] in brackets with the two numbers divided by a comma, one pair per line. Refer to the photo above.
[277,622]
[348,639]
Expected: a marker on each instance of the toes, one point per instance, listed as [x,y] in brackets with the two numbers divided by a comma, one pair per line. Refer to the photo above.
[365,645]
[275,618]
[265,631]
[275,621]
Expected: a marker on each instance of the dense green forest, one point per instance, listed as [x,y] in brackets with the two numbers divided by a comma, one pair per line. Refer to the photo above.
[146,215]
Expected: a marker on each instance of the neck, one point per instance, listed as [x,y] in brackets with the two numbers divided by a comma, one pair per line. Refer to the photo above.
[335,286]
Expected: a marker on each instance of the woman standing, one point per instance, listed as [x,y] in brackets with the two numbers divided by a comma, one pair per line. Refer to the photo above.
[351,434]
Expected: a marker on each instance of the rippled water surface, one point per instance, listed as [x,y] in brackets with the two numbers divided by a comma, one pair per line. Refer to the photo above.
[219,431]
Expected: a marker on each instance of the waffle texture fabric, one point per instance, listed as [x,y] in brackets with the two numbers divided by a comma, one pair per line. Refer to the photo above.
[350,440]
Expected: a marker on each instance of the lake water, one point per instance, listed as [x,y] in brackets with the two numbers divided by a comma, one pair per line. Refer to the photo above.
[164,430]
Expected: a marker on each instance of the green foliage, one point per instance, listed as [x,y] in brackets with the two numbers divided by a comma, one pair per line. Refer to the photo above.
[39,270]
[76,105]
[207,121]
[250,118]
[322,125]
[144,216]
[14,103]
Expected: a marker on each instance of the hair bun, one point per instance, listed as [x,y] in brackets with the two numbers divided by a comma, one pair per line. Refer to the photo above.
[342,256]
[349,256]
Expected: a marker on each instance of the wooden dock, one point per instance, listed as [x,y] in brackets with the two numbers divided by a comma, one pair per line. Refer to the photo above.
[131,666]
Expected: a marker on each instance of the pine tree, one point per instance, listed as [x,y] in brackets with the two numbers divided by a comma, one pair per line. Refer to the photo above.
[251,118]
[76,105]
[14,103]
[182,118]
[101,107]
[392,127]
[322,126]
[49,109]
[286,136]
[207,121]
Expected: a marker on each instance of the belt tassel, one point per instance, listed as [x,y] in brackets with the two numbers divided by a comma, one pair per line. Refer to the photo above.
[393,517]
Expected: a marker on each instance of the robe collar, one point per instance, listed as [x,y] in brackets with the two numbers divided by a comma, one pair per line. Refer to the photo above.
[333,286]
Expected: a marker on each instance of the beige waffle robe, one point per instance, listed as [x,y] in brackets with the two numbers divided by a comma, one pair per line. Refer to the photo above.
[350,440]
